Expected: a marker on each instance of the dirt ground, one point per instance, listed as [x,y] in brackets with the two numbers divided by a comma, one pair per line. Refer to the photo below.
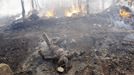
[109,50]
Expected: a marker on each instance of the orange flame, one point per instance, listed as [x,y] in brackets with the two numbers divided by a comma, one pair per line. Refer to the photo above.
[69,12]
[72,11]
[50,13]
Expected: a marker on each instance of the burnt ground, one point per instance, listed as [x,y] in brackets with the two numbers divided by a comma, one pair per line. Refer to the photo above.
[109,50]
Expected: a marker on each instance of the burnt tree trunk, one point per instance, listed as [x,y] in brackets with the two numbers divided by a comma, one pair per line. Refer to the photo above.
[23,9]
[87,6]
[32,4]
[103,6]
[79,5]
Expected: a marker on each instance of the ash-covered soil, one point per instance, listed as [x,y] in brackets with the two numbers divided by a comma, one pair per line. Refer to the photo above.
[109,50]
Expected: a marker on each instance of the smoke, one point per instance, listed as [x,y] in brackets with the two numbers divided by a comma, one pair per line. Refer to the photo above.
[13,7]
[122,25]
[97,6]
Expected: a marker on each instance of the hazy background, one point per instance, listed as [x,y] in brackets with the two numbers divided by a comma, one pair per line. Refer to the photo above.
[13,7]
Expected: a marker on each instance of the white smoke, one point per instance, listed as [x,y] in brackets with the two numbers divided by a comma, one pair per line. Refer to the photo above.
[13,7]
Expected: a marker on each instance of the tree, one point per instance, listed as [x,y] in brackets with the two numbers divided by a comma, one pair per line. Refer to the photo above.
[79,5]
[87,6]
[23,9]
[103,4]
[32,4]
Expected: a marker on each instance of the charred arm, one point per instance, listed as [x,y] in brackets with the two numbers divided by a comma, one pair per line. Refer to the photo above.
[46,57]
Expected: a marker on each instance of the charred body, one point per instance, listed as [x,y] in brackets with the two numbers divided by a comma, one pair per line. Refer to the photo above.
[62,58]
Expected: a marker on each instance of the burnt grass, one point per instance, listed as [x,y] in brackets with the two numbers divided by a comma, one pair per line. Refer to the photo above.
[107,52]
